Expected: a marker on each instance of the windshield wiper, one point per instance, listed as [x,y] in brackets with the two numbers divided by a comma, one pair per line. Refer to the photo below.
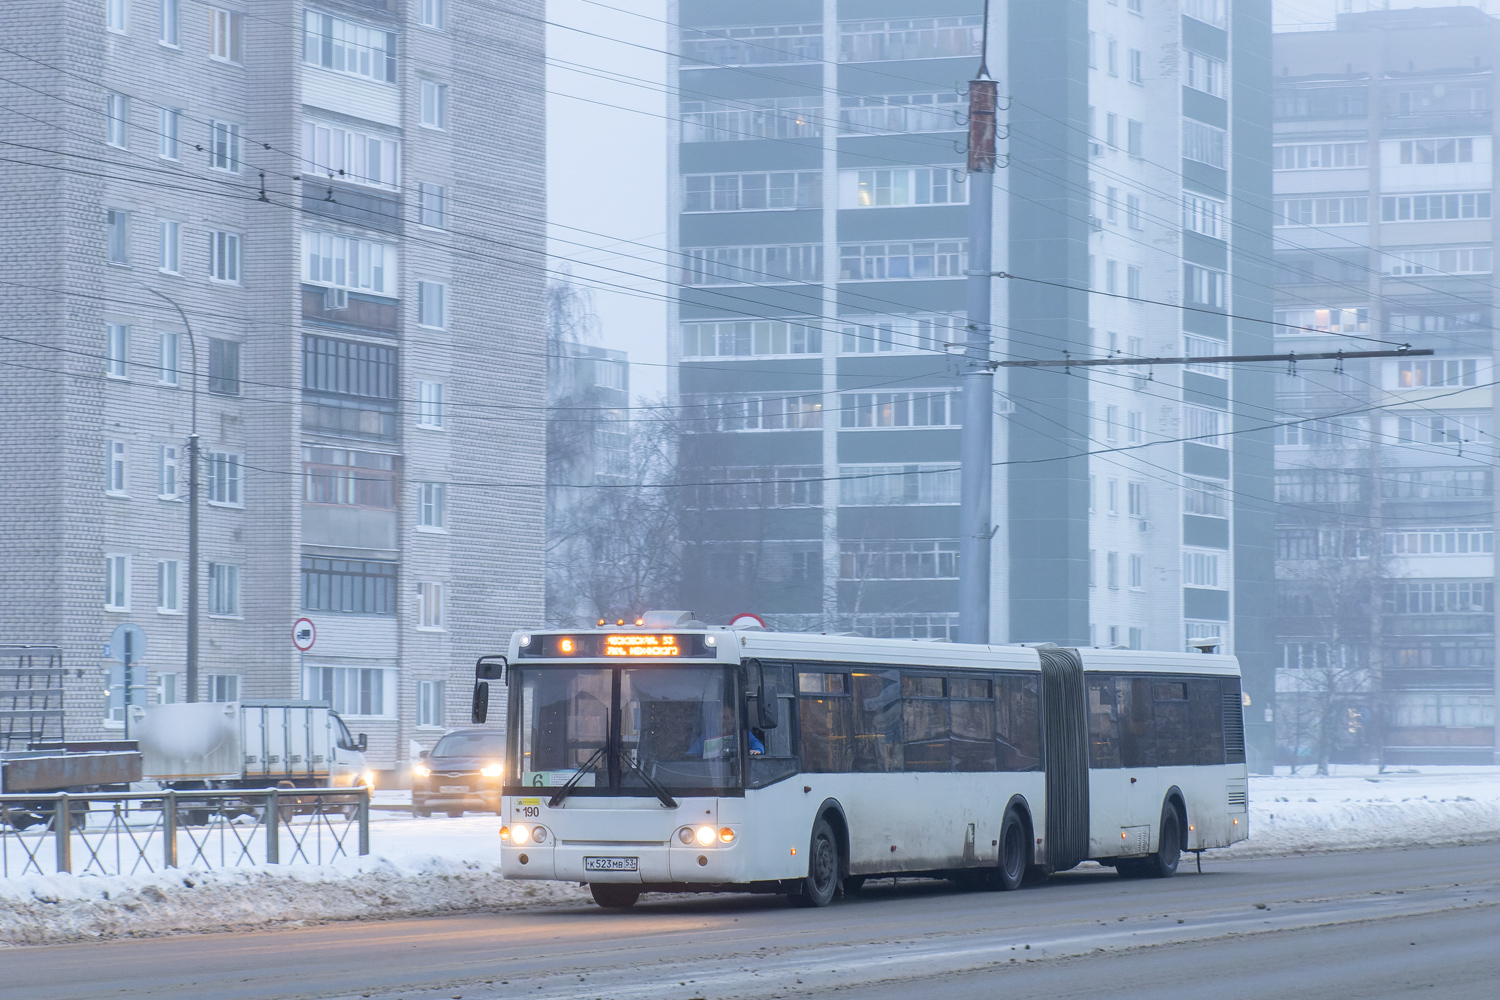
[651,783]
[562,793]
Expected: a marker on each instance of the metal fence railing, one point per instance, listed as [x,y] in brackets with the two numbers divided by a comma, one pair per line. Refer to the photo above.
[126,833]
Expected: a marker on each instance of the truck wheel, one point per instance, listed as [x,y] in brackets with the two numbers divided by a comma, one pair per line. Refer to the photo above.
[614,897]
[455,813]
[822,881]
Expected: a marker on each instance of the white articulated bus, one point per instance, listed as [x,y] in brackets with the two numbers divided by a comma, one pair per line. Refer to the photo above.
[673,757]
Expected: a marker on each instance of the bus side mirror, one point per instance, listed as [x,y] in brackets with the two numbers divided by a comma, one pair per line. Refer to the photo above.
[479,712]
[490,668]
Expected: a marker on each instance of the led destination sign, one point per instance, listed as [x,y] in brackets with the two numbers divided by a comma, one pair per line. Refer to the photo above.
[634,645]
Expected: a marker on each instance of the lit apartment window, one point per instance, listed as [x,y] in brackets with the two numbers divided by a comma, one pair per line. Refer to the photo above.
[432,304]
[433,209]
[434,104]
[169,251]
[115,245]
[168,349]
[430,605]
[226,35]
[117,120]
[433,14]
[117,350]
[223,367]
[430,704]
[224,146]
[223,589]
[226,476]
[224,256]
[432,505]
[117,583]
[430,405]
[170,21]
[114,467]
[168,586]
[168,124]
[166,472]
[114,16]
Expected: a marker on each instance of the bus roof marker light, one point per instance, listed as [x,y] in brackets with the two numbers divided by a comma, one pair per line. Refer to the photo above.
[525,640]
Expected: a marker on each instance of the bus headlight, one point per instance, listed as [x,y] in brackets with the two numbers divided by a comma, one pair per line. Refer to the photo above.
[490,771]
[705,836]
[519,833]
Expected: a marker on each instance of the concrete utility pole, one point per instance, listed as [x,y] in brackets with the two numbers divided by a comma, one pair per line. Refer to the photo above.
[193,588]
[976,435]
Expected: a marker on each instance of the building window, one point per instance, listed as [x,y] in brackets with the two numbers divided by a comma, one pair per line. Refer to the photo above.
[429,605]
[761,45]
[753,192]
[432,506]
[1462,260]
[1321,211]
[1201,569]
[1416,208]
[899,334]
[752,118]
[1133,211]
[1202,215]
[1112,570]
[432,201]
[898,560]
[346,262]
[922,408]
[222,687]
[116,247]
[1111,433]
[1135,138]
[430,703]
[1133,281]
[114,16]
[1204,426]
[880,485]
[1204,498]
[1209,12]
[1433,374]
[1423,151]
[1112,495]
[348,478]
[226,35]
[433,14]
[170,18]
[900,187]
[223,367]
[434,104]
[1204,143]
[348,47]
[226,477]
[168,124]
[896,261]
[348,586]
[910,38]
[1093,576]
[1137,576]
[168,587]
[1203,286]
[224,146]
[117,350]
[358,156]
[1135,426]
[169,688]
[1137,70]
[1112,57]
[169,254]
[1441,597]
[1137,634]
[1320,156]
[224,256]
[349,691]
[752,265]
[1204,73]
[882,113]
[166,472]
[167,352]
[114,467]
[1135,503]
[117,120]
[223,589]
[116,583]
[430,405]
[432,304]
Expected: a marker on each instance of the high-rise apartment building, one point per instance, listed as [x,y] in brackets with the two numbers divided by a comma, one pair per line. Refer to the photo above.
[345,199]
[1385,235]
[820,228]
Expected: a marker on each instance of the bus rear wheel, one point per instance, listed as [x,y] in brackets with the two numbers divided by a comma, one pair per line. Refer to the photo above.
[1010,869]
[614,897]
[1163,864]
[822,881]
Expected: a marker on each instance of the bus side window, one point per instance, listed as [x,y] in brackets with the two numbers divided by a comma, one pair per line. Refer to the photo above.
[779,695]
[1137,727]
[825,718]
[971,714]
[924,723]
[877,721]
[1018,723]
[1205,715]
[1104,722]
[1170,715]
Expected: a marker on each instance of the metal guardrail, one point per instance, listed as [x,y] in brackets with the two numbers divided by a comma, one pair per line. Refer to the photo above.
[124,833]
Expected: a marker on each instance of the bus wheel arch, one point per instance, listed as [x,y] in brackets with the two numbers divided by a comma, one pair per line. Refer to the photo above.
[833,813]
[1175,800]
[1015,824]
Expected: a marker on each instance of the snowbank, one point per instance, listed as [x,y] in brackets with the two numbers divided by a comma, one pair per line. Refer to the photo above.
[1353,808]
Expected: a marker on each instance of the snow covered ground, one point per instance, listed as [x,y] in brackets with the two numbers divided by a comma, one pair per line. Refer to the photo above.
[447,865]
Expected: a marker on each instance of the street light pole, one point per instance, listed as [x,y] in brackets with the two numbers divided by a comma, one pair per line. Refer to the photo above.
[192,575]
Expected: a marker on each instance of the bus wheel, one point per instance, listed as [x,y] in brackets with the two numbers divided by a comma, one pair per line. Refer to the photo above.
[1163,864]
[1010,871]
[822,880]
[614,897]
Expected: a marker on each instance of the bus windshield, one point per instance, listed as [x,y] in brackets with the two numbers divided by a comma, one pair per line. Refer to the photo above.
[676,727]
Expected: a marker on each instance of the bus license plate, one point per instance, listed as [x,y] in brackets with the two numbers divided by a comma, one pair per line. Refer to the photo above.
[610,864]
[453,788]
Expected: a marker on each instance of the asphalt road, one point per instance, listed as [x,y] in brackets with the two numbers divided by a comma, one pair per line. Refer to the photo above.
[1422,922]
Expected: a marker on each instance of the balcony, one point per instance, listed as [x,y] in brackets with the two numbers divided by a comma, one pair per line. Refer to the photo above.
[368,313]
